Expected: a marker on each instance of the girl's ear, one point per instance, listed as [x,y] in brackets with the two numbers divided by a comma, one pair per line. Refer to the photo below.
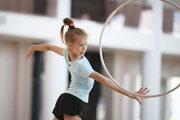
[69,45]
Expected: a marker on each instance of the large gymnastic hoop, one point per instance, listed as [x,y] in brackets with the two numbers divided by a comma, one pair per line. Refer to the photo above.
[102,59]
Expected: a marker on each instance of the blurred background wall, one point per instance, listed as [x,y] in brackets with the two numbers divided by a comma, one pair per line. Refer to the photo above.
[140,47]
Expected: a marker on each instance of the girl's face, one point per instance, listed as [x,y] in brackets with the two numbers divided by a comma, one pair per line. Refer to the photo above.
[79,47]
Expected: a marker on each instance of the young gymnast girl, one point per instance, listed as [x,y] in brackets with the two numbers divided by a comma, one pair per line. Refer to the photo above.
[69,104]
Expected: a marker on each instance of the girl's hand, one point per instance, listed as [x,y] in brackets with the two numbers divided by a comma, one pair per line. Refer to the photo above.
[30,52]
[142,91]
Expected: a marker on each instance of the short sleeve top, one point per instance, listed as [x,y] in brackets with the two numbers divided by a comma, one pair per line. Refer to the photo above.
[81,84]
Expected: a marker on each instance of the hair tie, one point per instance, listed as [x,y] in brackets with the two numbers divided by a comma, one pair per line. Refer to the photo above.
[71,25]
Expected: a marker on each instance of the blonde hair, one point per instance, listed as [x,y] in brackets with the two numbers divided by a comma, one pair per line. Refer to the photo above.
[72,33]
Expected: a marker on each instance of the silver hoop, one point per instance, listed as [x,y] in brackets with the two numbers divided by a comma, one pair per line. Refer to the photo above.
[101,56]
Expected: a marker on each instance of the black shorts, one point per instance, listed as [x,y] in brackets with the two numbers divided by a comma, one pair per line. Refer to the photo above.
[68,104]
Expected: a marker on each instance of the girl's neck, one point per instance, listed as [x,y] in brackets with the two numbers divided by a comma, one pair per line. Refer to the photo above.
[73,56]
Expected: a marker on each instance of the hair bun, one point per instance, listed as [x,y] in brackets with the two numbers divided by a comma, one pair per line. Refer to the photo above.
[67,21]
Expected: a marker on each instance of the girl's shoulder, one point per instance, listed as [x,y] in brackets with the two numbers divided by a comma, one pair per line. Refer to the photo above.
[65,51]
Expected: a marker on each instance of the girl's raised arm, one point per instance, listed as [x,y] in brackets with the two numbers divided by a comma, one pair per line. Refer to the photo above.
[43,47]
[109,83]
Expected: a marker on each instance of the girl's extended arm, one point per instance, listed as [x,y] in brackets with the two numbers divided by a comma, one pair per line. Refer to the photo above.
[109,83]
[43,47]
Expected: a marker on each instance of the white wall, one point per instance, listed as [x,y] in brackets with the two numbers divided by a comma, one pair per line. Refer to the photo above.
[15,81]
[41,28]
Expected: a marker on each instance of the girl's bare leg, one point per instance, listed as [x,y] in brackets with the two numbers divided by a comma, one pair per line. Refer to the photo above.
[54,118]
[67,117]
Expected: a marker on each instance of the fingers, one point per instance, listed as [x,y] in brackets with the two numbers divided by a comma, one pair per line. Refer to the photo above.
[29,53]
[140,89]
[143,91]
[28,56]
[138,100]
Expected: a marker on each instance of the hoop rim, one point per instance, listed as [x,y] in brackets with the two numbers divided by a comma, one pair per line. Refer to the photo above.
[101,56]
